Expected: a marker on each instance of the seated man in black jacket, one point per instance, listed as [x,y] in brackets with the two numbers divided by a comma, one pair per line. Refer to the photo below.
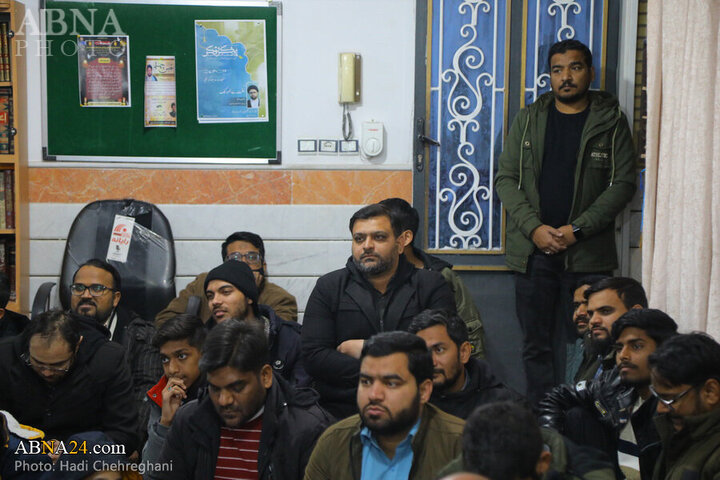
[460,382]
[95,292]
[231,292]
[250,419]
[614,412]
[377,291]
[64,377]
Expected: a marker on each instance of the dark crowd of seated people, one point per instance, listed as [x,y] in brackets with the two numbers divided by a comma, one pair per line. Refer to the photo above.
[385,379]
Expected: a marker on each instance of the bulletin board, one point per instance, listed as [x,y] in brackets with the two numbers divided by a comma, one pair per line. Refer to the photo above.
[76,133]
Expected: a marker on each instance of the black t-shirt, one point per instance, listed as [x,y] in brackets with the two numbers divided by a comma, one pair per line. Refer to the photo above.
[557,178]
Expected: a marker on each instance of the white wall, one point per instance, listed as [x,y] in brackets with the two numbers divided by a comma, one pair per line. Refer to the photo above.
[296,254]
[314,32]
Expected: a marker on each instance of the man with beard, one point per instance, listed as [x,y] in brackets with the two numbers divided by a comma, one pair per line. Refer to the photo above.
[95,293]
[66,378]
[250,421]
[614,412]
[567,170]
[607,300]
[377,291]
[686,382]
[578,352]
[231,292]
[460,382]
[397,434]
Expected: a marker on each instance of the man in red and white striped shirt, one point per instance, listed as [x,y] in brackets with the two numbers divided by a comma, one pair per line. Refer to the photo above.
[251,424]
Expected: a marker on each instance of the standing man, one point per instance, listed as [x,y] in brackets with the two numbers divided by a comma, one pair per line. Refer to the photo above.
[567,170]
[377,291]
[250,420]
[686,382]
[397,434]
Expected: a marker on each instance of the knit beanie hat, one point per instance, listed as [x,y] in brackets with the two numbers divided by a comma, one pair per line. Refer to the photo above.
[238,274]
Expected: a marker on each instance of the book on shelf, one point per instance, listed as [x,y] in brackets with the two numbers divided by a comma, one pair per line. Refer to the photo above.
[7,263]
[3,223]
[9,198]
[4,52]
[5,111]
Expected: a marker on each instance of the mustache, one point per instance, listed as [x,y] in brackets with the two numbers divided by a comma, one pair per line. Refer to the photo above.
[627,365]
[86,301]
[439,371]
[567,84]
[375,404]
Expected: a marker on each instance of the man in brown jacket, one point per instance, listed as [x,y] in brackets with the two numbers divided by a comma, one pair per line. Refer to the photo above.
[397,433]
[247,247]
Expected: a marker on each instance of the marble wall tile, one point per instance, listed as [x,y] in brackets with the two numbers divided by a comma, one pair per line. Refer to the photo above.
[82,185]
[340,187]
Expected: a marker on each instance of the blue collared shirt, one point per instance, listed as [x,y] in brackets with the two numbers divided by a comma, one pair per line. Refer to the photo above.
[377,466]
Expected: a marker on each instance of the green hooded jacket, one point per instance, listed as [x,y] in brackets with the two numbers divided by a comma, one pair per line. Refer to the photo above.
[693,452]
[604,183]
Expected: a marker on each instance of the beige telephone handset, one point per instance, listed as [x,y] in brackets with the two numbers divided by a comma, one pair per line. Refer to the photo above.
[349,78]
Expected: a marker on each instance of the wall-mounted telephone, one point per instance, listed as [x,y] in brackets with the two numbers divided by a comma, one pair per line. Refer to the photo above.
[349,78]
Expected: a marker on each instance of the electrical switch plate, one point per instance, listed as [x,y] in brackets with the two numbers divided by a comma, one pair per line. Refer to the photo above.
[328,146]
[371,141]
[348,146]
[307,146]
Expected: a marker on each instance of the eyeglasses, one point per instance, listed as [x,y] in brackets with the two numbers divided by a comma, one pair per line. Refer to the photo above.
[251,258]
[30,362]
[96,290]
[669,403]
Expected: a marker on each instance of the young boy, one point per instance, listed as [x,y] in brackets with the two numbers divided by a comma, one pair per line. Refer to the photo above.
[180,342]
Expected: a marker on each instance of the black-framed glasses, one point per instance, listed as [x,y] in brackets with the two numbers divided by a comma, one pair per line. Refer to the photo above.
[96,289]
[251,258]
[32,363]
[669,403]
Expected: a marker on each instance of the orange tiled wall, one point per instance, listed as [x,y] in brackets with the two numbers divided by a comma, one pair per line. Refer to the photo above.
[277,187]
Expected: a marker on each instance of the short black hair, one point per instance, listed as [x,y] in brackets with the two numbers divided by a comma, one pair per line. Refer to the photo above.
[655,323]
[53,324]
[455,326]
[408,216]
[252,238]
[181,327]
[377,210]
[588,280]
[239,345]
[103,265]
[687,359]
[420,363]
[628,289]
[565,45]
[502,440]
[4,290]
[253,87]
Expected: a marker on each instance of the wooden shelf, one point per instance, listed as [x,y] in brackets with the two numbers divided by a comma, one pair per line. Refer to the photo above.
[6,84]
[7,231]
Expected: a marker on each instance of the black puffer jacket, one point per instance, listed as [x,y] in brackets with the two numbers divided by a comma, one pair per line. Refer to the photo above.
[482,388]
[96,394]
[292,422]
[612,401]
[342,307]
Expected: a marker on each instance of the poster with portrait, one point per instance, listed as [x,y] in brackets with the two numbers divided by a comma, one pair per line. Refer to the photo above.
[104,70]
[231,71]
[160,99]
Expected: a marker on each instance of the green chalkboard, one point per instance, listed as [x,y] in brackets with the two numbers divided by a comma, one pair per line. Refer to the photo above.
[117,133]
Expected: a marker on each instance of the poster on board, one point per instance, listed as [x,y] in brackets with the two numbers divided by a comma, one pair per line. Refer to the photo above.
[160,98]
[104,70]
[231,71]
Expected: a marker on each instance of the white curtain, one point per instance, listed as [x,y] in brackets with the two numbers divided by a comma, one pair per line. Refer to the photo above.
[681,229]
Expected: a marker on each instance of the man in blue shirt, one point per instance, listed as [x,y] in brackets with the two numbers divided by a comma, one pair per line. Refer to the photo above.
[397,433]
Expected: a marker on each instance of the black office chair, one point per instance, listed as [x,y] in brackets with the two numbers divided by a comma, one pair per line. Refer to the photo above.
[148,274]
